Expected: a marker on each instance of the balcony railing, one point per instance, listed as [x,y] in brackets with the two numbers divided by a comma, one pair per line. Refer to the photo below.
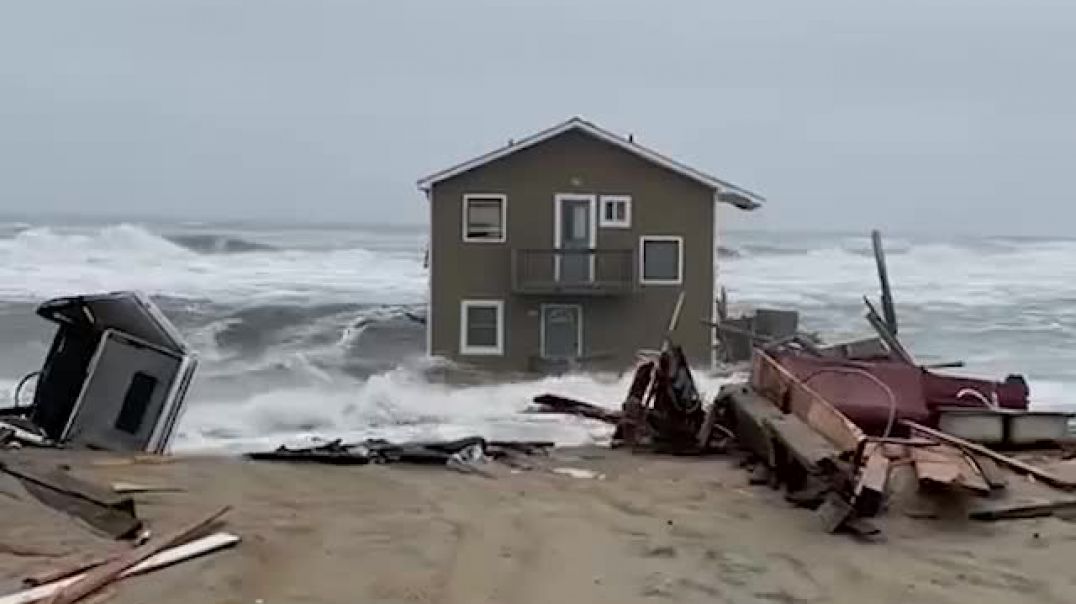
[588,272]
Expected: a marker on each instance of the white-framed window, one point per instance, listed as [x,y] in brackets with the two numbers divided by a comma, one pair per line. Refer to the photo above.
[615,211]
[482,327]
[484,217]
[661,260]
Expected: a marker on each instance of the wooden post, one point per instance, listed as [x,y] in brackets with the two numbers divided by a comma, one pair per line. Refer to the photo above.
[888,311]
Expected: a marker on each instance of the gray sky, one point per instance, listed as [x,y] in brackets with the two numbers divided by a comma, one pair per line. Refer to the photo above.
[935,114]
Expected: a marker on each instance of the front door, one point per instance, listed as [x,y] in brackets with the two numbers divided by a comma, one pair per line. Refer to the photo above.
[562,331]
[575,237]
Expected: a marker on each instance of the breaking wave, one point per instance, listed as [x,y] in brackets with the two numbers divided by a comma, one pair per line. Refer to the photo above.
[305,332]
[40,263]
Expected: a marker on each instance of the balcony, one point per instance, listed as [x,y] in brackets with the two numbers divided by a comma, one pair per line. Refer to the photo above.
[582,272]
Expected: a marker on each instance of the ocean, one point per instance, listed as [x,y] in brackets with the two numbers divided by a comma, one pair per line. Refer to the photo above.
[310,331]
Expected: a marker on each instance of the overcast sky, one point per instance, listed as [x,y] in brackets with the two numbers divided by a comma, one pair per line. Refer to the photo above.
[935,114]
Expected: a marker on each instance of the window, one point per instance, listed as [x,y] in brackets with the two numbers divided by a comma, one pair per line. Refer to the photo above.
[135,402]
[661,260]
[483,218]
[616,211]
[482,327]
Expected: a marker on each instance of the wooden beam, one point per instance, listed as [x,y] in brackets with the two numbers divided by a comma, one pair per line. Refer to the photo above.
[1011,462]
[111,571]
[165,558]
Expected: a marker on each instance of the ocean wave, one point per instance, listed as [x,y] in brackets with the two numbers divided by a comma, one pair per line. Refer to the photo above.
[43,262]
[403,405]
[205,243]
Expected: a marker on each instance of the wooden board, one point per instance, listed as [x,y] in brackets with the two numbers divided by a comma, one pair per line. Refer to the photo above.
[946,465]
[772,380]
[1010,462]
[165,558]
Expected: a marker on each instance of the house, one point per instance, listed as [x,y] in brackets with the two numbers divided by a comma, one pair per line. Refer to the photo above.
[570,248]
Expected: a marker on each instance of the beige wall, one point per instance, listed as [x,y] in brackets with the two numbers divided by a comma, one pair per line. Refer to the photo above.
[663,203]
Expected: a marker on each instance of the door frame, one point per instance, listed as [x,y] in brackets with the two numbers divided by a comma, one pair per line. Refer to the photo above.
[541,329]
[558,236]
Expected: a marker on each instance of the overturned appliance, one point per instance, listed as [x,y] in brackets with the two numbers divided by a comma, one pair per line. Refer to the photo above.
[115,376]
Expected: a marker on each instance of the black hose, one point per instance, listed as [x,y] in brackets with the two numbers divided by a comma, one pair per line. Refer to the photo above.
[22,382]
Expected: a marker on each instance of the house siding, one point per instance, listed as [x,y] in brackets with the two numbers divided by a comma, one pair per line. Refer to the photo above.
[663,203]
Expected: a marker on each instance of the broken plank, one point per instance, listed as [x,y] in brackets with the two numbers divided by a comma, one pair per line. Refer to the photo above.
[164,558]
[113,570]
[1021,508]
[945,465]
[130,487]
[1011,462]
[991,472]
[870,488]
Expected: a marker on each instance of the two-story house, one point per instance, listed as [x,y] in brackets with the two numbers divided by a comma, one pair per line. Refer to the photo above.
[571,246]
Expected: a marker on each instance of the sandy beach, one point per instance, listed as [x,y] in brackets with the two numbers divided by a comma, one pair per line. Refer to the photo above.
[644,529]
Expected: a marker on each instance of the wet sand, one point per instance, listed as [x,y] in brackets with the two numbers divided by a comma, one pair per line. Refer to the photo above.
[652,529]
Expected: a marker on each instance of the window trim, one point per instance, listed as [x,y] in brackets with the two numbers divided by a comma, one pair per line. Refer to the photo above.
[467,198]
[680,260]
[614,224]
[496,350]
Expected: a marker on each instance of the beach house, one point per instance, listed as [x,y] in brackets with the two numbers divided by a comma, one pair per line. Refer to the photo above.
[569,248]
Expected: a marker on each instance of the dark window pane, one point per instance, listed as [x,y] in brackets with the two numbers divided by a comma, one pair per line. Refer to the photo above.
[136,402]
[661,260]
[482,326]
[485,218]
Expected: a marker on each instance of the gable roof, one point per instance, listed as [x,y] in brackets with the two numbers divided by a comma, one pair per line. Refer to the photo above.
[724,191]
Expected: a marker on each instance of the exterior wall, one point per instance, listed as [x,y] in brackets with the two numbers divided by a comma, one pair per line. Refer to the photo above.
[663,203]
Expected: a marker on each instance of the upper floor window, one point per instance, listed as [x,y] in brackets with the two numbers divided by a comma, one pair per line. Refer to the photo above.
[483,218]
[661,260]
[615,211]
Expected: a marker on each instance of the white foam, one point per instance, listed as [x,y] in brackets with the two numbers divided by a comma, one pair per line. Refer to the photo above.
[928,274]
[41,263]
[402,405]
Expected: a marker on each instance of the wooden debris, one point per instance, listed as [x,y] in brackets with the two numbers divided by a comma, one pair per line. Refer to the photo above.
[775,382]
[97,506]
[833,512]
[1021,508]
[807,448]
[108,573]
[891,341]
[1010,462]
[870,488]
[749,414]
[130,488]
[990,471]
[552,403]
[161,559]
[945,465]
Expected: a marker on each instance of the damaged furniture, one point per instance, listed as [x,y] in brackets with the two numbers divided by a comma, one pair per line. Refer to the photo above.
[115,376]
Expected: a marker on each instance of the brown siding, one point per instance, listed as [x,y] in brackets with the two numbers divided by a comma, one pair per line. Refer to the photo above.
[663,203]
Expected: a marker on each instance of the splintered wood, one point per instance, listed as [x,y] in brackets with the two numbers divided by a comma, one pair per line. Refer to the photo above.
[948,466]
[775,382]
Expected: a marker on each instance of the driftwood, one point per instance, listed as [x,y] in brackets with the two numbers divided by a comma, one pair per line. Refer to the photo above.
[1010,462]
[97,506]
[107,573]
